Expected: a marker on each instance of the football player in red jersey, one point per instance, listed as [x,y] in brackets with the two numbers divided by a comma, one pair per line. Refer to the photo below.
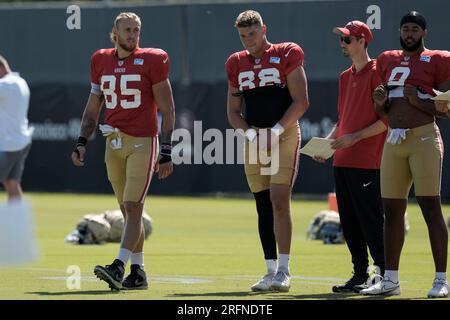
[270,79]
[133,84]
[413,150]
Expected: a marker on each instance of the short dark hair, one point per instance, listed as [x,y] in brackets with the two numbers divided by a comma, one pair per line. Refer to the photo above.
[248,18]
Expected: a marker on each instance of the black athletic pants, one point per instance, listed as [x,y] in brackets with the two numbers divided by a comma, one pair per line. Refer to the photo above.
[361,213]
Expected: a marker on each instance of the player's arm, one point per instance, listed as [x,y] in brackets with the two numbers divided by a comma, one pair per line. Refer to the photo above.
[347,140]
[234,113]
[441,106]
[428,106]
[88,125]
[162,93]
[380,100]
[298,88]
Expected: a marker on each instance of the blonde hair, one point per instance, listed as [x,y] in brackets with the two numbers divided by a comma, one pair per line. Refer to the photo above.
[4,63]
[248,18]
[123,16]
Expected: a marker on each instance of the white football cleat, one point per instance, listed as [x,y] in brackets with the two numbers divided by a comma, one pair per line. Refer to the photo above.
[384,287]
[264,283]
[281,282]
[439,290]
[374,278]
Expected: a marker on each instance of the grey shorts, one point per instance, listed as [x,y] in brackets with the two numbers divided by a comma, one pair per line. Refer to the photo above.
[12,164]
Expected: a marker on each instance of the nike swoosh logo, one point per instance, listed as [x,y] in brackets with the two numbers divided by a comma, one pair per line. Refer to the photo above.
[425,138]
[366,184]
[288,53]
[388,289]
[138,145]
[165,60]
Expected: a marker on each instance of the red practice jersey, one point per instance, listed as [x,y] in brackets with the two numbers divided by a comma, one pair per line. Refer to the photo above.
[246,72]
[263,81]
[425,71]
[127,87]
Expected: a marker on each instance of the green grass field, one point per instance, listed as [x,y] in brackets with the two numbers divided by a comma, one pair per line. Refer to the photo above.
[200,248]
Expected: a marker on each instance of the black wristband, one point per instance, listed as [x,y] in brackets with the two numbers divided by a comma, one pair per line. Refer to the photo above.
[82,141]
[166,153]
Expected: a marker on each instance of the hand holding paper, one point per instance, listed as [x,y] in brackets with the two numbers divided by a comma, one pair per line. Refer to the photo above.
[318,147]
[440,99]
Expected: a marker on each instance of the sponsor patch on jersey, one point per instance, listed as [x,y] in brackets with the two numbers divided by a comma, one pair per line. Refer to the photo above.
[138,62]
[274,60]
[425,58]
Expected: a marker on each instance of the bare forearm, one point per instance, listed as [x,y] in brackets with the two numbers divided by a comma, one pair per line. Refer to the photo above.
[237,122]
[370,131]
[295,111]
[90,115]
[167,125]
[428,107]
[381,110]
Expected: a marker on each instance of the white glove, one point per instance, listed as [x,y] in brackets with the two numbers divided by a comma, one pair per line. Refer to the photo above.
[106,129]
[396,136]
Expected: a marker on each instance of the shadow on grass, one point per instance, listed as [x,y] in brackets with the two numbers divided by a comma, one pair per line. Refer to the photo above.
[280,296]
[332,296]
[218,294]
[73,293]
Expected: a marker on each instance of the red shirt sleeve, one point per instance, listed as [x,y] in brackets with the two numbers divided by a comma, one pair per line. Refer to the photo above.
[294,57]
[95,74]
[159,66]
[231,67]
[443,69]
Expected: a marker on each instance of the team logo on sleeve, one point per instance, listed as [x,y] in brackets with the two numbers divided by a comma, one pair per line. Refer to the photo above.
[138,62]
[425,58]
[274,60]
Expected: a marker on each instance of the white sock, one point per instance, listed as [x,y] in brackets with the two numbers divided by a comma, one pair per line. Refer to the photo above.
[441,275]
[392,275]
[124,255]
[271,265]
[137,258]
[283,263]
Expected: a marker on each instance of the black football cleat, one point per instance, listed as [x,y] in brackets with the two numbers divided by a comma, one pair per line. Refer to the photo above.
[349,286]
[136,280]
[111,274]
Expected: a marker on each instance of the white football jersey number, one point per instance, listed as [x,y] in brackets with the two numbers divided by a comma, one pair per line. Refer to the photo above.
[266,77]
[403,72]
[110,91]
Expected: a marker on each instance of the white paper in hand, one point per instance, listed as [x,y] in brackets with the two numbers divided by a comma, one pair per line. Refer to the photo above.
[318,147]
[445,96]
[17,243]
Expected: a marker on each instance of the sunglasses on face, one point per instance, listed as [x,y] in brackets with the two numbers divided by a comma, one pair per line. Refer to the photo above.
[347,39]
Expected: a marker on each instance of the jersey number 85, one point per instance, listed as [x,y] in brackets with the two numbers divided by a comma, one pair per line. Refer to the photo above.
[110,91]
